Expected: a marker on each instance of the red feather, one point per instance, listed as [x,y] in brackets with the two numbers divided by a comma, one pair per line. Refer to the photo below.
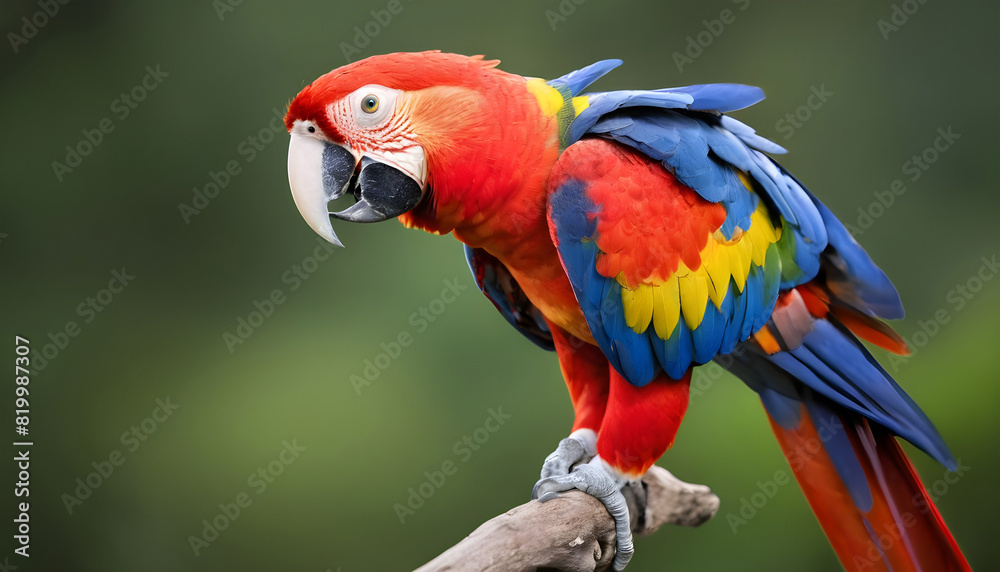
[907,533]
[649,222]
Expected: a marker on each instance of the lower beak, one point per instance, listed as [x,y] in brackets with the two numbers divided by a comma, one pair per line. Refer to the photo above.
[320,172]
[385,192]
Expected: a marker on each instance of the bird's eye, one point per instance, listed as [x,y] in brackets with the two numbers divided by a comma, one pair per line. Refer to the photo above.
[369,104]
[312,129]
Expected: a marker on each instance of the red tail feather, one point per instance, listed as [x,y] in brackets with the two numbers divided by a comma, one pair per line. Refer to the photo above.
[871,329]
[902,532]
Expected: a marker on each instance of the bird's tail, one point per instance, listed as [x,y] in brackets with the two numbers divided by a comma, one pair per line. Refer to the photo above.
[836,412]
[865,493]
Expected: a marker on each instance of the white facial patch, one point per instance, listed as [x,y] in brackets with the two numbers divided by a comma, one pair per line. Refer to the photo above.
[370,124]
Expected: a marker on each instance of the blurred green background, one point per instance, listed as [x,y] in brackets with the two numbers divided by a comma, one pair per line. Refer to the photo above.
[223,70]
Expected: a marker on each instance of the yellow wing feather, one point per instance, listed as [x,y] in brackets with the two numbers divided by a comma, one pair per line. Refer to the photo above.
[687,292]
[640,303]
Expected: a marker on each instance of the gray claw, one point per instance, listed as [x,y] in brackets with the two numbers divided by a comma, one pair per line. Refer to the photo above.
[549,496]
[597,482]
[569,452]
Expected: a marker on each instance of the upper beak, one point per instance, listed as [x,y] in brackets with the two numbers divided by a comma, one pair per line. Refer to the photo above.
[319,172]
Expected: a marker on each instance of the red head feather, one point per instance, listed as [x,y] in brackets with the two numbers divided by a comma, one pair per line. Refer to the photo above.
[488,146]
[404,71]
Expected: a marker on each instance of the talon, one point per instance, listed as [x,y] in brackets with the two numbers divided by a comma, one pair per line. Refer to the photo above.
[549,496]
[600,482]
[579,447]
[569,452]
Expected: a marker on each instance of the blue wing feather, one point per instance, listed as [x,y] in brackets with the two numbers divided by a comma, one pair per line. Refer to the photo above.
[720,97]
[838,446]
[674,354]
[831,372]
[577,81]
[837,366]
[853,276]
[707,337]
[496,282]
[749,136]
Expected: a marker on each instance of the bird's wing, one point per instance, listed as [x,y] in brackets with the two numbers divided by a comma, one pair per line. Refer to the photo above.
[667,209]
[497,283]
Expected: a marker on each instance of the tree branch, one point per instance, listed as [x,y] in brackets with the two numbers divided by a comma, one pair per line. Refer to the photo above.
[574,533]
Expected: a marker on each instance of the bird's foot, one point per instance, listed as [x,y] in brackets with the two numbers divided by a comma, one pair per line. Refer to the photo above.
[579,447]
[601,482]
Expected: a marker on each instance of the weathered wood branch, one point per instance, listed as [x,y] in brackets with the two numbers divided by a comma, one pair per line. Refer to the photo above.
[574,533]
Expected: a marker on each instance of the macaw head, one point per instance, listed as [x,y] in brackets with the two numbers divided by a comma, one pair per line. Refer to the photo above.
[390,128]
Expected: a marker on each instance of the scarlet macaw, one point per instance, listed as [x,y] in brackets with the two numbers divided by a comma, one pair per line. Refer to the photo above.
[640,234]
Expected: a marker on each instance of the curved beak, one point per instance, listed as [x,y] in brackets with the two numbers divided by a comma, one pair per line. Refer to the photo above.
[320,172]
